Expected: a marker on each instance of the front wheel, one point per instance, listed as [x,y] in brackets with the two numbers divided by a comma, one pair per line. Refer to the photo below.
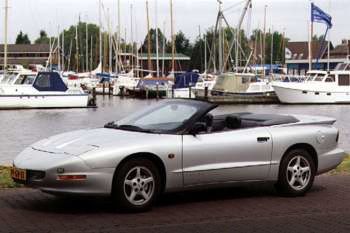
[297,173]
[136,185]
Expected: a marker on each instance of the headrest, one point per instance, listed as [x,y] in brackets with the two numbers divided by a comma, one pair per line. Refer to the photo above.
[208,119]
[233,122]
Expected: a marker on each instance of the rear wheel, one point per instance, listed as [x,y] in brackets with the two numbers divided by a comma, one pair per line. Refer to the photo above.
[136,185]
[297,173]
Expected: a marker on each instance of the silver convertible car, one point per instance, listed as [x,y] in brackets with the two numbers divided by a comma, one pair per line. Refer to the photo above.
[177,145]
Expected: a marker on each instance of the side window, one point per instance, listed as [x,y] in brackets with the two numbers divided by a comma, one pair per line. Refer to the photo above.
[20,79]
[330,79]
[343,80]
[43,81]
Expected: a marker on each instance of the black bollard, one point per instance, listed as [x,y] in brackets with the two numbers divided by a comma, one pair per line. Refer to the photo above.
[190,92]
[157,90]
[206,92]
[103,88]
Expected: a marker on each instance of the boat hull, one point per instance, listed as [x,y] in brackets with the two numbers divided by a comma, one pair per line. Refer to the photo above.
[43,101]
[300,96]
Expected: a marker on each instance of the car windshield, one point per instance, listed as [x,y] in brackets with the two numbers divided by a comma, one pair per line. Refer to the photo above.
[160,118]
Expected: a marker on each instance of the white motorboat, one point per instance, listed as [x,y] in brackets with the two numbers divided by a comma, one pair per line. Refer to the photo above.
[320,87]
[126,82]
[46,90]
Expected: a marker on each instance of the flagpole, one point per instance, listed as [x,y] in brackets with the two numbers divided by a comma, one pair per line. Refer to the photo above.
[310,39]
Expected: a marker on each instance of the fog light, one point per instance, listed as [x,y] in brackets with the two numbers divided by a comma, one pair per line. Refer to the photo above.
[71,177]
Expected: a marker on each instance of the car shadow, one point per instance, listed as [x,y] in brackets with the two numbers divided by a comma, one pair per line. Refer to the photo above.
[93,205]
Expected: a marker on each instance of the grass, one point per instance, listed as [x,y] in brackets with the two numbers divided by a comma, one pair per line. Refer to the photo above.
[7,182]
[343,168]
[5,178]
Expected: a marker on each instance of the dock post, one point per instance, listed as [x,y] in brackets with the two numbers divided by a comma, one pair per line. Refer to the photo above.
[173,91]
[157,90]
[206,92]
[109,89]
[146,93]
[103,88]
[121,91]
[93,101]
[190,90]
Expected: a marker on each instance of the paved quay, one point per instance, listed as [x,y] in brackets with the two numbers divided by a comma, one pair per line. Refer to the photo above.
[249,208]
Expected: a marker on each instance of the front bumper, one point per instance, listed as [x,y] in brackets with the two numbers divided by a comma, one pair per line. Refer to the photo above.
[97,182]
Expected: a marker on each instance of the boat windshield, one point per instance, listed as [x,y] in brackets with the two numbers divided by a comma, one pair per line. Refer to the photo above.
[25,80]
[319,77]
[157,119]
[9,78]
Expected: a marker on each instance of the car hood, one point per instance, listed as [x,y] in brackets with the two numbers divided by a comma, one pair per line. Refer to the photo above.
[82,141]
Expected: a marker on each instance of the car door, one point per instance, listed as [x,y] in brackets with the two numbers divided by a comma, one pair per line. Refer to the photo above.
[236,155]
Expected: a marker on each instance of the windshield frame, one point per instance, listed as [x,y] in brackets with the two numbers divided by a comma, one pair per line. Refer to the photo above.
[202,109]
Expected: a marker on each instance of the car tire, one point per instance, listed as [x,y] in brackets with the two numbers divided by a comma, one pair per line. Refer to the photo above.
[296,173]
[136,185]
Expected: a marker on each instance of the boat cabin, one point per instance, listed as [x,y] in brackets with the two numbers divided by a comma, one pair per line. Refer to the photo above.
[234,82]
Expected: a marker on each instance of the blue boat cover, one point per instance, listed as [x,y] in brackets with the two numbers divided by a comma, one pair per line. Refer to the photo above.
[49,81]
[104,77]
[186,80]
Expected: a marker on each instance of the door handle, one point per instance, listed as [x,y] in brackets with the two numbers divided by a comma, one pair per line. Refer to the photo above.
[263,139]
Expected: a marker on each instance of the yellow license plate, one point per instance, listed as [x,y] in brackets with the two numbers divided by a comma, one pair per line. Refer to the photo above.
[18,174]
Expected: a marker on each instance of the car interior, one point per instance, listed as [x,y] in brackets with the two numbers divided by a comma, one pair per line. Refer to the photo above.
[227,122]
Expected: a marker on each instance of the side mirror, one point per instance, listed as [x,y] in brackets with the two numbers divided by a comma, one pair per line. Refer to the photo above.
[198,127]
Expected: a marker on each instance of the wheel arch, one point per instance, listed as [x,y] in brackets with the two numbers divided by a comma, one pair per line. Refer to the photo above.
[145,155]
[305,146]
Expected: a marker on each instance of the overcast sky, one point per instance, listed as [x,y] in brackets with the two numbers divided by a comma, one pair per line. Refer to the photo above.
[290,15]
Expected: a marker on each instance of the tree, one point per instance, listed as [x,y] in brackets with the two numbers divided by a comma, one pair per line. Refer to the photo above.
[22,38]
[161,40]
[182,44]
[43,39]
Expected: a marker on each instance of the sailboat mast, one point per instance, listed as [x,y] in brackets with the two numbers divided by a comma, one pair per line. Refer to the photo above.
[148,40]
[5,36]
[118,41]
[163,51]
[157,39]
[220,38]
[205,53]
[58,48]
[172,37]
[87,46]
[271,51]
[264,42]
[131,36]
[63,65]
[91,53]
[77,47]
[109,43]
[100,30]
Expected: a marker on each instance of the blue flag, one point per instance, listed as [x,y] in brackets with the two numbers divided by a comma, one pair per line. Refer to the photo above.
[319,16]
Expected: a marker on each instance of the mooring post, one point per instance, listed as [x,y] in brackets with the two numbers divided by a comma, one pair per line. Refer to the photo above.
[173,91]
[190,90]
[121,91]
[103,88]
[109,88]
[157,90]
[93,102]
[146,93]
[206,92]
